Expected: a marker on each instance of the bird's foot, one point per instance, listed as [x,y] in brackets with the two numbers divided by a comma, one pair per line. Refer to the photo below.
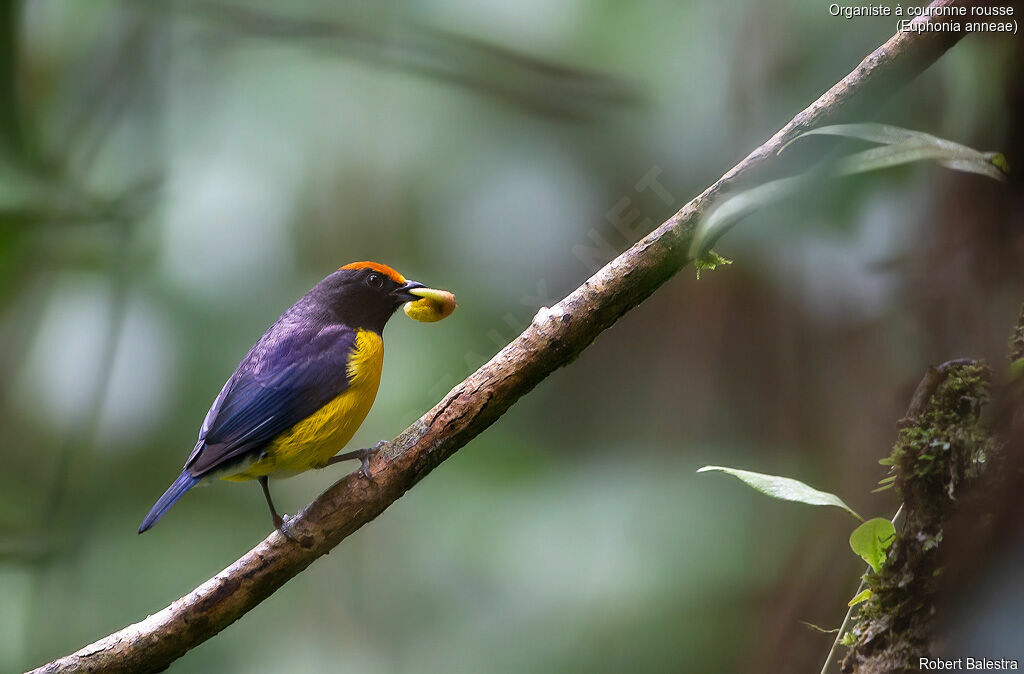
[284,525]
[364,458]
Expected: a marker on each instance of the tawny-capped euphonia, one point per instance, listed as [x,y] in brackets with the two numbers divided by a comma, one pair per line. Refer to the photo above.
[304,388]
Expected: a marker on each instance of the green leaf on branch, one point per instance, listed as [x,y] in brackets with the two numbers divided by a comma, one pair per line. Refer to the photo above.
[709,261]
[871,541]
[897,146]
[784,488]
[886,483]
[883,134]
[860,598]
[902,146]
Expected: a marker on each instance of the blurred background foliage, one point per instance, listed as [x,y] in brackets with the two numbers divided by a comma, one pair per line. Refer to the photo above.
[174,174]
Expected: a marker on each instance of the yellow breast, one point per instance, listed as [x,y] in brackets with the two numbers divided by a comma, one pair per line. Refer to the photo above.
[311,442]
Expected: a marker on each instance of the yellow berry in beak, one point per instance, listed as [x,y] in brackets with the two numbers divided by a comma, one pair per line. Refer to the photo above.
[435,305]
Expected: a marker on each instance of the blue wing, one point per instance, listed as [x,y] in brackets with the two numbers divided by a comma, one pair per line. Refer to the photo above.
[292,372]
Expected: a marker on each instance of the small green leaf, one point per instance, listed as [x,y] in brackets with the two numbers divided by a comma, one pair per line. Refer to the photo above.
[784,488]
[998,159]
[847,639]
[860,598]
[886,483]
[871,541]
[710,261]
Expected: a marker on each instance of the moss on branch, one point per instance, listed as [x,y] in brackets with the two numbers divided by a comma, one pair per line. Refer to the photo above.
[942,449]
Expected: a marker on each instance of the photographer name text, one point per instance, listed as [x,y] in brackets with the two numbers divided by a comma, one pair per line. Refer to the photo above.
[976,664]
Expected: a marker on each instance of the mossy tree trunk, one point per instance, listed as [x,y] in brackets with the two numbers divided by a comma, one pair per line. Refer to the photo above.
[951,454]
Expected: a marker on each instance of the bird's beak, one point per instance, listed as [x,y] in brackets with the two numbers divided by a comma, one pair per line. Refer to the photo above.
[406,292]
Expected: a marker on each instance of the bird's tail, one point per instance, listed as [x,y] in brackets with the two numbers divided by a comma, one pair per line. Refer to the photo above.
[184,482]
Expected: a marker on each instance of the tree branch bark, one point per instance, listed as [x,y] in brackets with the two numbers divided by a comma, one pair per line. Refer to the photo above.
[555,338]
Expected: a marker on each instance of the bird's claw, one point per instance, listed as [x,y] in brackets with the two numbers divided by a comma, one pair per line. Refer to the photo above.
[367,454]
[283,523]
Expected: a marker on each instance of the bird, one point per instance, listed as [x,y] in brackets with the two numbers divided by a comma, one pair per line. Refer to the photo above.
[304,388]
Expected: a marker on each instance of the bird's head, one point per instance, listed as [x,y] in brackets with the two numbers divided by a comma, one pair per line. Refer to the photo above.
[366,294]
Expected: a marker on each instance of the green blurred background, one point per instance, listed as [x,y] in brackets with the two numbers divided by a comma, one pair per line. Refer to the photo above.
[173,175]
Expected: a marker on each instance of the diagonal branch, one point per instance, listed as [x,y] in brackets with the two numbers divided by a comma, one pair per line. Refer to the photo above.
[555,338]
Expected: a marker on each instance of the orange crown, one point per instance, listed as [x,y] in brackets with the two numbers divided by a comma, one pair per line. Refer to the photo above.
[377,266]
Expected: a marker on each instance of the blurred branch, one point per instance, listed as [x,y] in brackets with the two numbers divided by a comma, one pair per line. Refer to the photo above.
[106,85]
[556,337]
[505,74]
[10,126]
[54,195]
[102,86]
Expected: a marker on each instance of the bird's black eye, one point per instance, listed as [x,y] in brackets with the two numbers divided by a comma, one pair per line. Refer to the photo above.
[375,280]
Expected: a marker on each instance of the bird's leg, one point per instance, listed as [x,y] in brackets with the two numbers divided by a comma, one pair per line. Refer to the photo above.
[280,523]
[363,455]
